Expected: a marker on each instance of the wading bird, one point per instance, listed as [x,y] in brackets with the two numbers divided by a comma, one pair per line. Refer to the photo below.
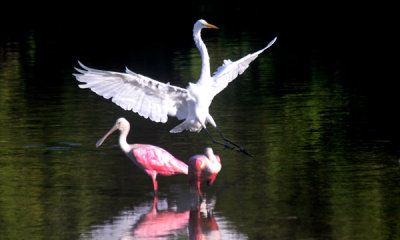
[204,168]
[156,100]
[152,159]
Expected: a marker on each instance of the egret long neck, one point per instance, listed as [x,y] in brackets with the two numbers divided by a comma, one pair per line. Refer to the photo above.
[205,67]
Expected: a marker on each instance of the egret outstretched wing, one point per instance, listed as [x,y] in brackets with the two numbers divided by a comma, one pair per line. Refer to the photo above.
[131,91]
[156,100]
[230,70]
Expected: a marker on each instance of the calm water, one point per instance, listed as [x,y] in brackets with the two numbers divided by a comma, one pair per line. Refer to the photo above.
[326,146]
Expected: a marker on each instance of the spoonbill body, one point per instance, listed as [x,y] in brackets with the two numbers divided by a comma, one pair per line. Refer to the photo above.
[152,159]
[204,168]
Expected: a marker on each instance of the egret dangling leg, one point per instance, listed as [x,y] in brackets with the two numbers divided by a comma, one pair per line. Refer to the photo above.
[226,139]
[215,141]
[239,148]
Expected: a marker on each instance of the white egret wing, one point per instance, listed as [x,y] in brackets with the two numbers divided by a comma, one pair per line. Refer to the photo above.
[230,70]
[143,95]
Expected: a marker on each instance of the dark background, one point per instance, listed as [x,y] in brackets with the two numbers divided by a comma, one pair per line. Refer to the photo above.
[356,36]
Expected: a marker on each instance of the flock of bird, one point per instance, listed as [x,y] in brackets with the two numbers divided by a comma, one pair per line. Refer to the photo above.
[156,100]
[155,160]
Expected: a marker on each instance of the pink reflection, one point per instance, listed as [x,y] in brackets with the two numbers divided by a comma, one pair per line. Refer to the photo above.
[202,224]
[161,223]
[199,222]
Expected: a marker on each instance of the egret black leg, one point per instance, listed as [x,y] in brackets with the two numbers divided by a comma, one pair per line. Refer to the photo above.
[226,139]
[240,148]
[215,141]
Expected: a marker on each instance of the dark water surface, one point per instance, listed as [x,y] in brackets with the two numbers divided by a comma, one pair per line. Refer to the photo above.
[325,142]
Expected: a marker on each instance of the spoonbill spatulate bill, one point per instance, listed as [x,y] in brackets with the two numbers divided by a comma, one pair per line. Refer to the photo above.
[152,159]
[156,100]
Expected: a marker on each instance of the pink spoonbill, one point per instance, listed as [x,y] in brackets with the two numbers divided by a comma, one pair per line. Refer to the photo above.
[204,168]
[157,100]
[152,159]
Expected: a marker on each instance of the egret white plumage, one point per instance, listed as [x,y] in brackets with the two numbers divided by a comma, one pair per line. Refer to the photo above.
[156,100]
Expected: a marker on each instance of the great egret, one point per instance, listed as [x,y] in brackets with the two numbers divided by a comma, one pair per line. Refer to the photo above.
[156,100]
[151,159]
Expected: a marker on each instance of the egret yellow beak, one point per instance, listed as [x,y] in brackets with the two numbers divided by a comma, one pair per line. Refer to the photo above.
[210,26]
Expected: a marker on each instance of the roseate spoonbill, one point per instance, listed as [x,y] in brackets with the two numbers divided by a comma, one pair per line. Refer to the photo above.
[156,100]
[204,168]
[152,159]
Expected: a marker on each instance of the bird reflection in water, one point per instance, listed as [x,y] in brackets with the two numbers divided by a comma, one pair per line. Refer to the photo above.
[160,223]
[199,222]
[202,224]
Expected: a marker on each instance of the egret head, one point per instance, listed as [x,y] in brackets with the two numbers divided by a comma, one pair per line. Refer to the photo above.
[202,24]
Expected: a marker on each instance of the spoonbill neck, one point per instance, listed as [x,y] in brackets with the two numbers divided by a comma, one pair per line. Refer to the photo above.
[122,140]
[205,67]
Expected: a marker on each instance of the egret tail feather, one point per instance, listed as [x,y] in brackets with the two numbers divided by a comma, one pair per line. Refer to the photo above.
[186,125]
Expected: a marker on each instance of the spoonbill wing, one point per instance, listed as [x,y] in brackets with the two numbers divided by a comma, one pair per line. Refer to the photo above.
[230,70]
[157,159]
[143,95]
